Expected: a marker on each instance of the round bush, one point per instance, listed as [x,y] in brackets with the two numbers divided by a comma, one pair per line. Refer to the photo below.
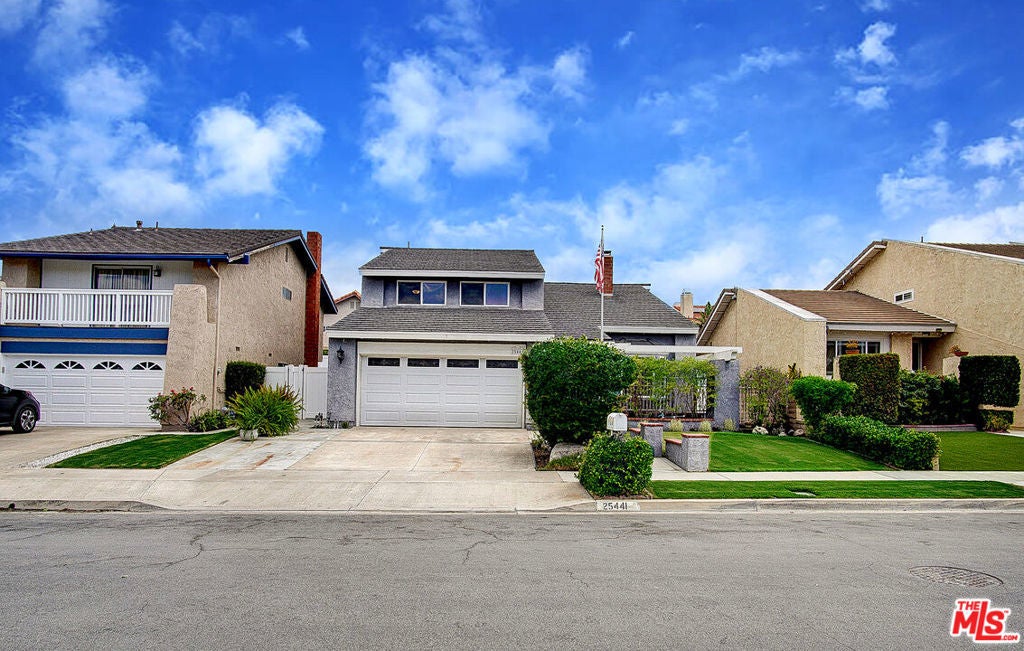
[572,385]
[613,466]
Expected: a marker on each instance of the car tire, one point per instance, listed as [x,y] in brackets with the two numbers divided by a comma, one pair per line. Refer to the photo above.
[25,419]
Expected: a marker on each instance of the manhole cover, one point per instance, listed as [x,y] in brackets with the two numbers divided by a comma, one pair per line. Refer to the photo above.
[955,576]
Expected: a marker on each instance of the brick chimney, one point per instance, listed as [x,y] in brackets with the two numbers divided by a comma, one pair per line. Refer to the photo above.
[313,342]
[686,304]
[609,265]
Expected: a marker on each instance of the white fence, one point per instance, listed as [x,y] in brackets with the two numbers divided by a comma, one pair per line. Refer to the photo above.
[308,382]
[85,307]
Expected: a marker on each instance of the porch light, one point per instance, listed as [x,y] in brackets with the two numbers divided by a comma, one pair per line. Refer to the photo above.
[341,355]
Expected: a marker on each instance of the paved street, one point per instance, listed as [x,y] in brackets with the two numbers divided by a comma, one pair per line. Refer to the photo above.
[215,580]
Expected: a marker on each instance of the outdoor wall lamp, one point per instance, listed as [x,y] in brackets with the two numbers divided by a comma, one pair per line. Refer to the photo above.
[341,355]
[156,272]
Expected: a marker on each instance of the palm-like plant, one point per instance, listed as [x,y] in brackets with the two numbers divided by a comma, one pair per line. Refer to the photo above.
[272,411]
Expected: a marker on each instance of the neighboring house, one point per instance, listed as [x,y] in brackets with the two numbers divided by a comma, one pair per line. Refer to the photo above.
[344,305]
[809,328]
[96,323]
[438,335]
[979,286]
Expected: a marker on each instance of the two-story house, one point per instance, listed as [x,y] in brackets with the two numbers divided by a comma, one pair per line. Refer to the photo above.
[96,323]
[438,335]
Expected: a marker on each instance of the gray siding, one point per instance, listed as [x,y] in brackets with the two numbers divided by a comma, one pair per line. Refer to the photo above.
[533,295]
[373,292]
[341,380]
[727,391]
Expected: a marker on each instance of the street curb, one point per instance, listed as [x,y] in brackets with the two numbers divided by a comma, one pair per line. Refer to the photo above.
[807,505]
[78,505]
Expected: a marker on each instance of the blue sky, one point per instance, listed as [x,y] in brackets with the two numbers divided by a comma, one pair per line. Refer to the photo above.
[721,143]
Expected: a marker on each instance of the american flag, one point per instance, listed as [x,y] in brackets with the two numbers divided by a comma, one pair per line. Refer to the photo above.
[599,265]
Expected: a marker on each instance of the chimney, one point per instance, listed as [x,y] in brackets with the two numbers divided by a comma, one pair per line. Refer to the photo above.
[686,304]
[313,342]
[609,265]
[138,224]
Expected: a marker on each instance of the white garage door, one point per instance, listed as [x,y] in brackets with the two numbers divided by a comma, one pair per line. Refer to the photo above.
[88,390]
[440,391]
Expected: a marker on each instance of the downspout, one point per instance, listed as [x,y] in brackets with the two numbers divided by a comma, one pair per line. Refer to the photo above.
[216,336]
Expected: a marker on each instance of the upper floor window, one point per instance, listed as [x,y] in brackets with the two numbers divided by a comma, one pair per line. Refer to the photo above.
[421,292]
[491,294]
[904,297]
[122,278]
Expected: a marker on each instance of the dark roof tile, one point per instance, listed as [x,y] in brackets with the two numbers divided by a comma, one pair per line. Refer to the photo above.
[488,260]
[574,309]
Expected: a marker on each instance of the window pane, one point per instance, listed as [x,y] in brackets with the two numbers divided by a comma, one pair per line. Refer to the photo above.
[472,293]
[382,361]
[874,347]
[408,293]
[497,294]
[463,363]
[433,293]
[414,362]
[502,363]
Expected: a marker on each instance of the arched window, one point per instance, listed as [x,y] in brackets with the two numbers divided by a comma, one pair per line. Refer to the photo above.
[108,366]
[147,366]
[30,363]
[69,364]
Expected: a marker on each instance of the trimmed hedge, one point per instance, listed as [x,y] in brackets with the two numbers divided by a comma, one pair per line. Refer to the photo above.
[877,378]
[240,376]
[613,466]
[819,397]
[927,399]
[991,379]
[572,385]
[894,446]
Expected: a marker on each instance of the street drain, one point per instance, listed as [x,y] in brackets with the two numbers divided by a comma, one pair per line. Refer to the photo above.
[955,576]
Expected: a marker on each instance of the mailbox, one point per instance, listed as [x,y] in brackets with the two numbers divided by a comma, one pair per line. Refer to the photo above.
[617,422]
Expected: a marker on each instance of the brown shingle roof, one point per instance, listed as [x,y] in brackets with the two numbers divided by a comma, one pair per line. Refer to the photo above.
[129,241]
[855,308]
[489,260]
[1011,250]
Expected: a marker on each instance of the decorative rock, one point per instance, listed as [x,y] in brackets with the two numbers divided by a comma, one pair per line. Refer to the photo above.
[798,432]
[565,449]
[760,430]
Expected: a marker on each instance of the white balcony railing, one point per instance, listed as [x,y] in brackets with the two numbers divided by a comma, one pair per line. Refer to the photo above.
[85,307]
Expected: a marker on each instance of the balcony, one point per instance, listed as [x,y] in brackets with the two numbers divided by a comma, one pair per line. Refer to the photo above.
[85,307]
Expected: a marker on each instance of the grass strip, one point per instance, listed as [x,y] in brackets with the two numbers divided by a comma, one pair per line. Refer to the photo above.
[743,452]
[980,451]
[885,489]
[154,451]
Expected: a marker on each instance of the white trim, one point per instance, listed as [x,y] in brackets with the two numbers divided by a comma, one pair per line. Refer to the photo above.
[485,283]
[420,273]
[435,336]
[899,301]
[421,303]
[890,327]
[710,319]
[854,266]
[799,312]
[654,330]
[705,352]
[980,254]
[420,349]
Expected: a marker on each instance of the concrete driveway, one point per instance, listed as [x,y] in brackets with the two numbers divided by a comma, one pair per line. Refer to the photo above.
[363,469]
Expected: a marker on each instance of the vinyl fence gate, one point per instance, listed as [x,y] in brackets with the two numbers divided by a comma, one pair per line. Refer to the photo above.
[308,382]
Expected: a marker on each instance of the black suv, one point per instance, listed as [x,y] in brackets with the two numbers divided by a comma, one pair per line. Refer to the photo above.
[19,409]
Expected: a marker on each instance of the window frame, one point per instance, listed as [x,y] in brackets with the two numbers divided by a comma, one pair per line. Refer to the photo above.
[443,303]
[485,283]
[906,296]
[834,350]
[101,268]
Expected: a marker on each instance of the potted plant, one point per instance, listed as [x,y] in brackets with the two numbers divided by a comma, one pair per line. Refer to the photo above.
[956,351]
[270,411]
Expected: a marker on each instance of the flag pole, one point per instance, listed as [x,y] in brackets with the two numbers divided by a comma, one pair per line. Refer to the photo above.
[602,283]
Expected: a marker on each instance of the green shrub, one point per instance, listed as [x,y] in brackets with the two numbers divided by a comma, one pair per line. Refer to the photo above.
[894,446]
[878,385]
[819,397]
[729,425]
[674,425]
[613,466]
[991,379]
[568,462]
[766,395]
[272,411]
[240,376]
[208,421]
[995,420]
[927,399]
[705,426]
[572,385]
[671,385]
[175,408]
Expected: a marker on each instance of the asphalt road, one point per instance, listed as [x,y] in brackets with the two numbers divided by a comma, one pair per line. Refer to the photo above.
[273,581]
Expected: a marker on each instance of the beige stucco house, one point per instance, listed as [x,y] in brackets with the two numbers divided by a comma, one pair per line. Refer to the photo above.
[96,323]
[979,286]
[344,305]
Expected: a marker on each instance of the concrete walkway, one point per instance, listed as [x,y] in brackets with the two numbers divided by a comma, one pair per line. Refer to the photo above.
[362,469]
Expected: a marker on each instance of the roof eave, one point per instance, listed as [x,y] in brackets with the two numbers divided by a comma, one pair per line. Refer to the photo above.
[892,327]
[436,336]
[859,262]
[439,273]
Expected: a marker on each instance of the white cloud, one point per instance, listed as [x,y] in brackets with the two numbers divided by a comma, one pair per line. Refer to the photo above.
[569,73]
[341,262]
[679,127]
[765,59]
[1002,224]
[625,40]
[210,37]
[872,50]
[240,155]
[934,155]
[298,37]
[15,14]
[875,98]
[460,22]
[875,5]
[107,90]
[902,195]
[70,30]
[994,152]
[987,188]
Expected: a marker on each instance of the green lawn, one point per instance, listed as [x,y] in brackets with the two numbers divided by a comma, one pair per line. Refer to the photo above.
[691,490]
[154,451]
[741,452]
[980,451]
